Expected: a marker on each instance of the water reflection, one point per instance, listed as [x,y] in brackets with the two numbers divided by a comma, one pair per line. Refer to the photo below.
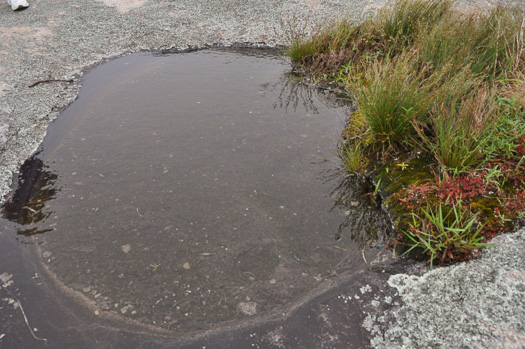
[365,222]
[295,93]
[36,186]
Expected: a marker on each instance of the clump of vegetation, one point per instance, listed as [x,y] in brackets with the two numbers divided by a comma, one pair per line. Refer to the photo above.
[392,97]
[434,83]
[460,127]
[445,236]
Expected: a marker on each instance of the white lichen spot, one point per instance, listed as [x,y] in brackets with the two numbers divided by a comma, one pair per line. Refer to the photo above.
[6,279]
[365,289]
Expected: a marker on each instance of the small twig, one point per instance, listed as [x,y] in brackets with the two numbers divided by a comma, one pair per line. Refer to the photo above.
[139,212]
[363,253]
[30,209]
[49,80]
[25,317]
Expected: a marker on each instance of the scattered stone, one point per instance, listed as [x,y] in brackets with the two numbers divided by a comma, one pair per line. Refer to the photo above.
[86,289]
[104,304]
[12,302]
[47,254]
[126,248]
[273,281]
[6,279]
[126,308]
[247,308]
[186,266]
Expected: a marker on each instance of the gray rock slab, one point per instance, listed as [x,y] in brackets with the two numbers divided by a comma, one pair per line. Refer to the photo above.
[479,304]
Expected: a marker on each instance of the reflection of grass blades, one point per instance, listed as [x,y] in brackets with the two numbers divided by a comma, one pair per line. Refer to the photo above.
[444,235]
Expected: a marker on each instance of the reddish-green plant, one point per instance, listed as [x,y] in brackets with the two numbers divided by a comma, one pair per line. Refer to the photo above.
[463,188]
[520,149]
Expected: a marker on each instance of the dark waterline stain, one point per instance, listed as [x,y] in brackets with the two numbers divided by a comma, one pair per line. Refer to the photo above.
[187,190]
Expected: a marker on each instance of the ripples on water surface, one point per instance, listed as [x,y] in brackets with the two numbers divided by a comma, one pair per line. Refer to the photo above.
[189,189]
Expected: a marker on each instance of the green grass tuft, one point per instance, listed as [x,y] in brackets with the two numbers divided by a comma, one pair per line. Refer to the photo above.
[392,98]
[433,83]
[400,24]
[442,235]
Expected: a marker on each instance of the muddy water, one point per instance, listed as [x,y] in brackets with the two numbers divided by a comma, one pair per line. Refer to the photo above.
[191,189]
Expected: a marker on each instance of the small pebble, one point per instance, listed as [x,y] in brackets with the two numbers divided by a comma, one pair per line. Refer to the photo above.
[247,308]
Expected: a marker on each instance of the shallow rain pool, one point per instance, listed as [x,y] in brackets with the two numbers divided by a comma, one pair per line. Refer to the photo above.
[187,190]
